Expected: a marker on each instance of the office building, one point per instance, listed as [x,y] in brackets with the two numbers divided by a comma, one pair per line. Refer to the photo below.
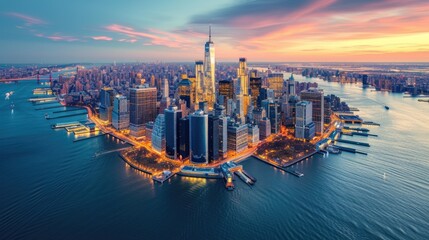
[142,108]
[223,137]
[198,141]
[158,134]
[120,113]
[304,127]
[264,128]
[275,82]
[213,138]
[106,104]
[237,137]
[183,138]
[209,71]
[172,117]
[255,88]
[252,135]
[315,96]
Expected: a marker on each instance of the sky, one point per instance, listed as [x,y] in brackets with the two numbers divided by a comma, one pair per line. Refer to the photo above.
[48,31]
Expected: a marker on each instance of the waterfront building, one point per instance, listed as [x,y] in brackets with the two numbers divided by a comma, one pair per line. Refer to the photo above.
[120,113]
[106,104]
[264,128]
[184,138]
[275,82]
[142,108]
[158,134]
[209,71]
[315,96]
[237,137]
[198,132]
[213,137]
[148,131]
[172,117]
[252,135]
[304,127]
[223,136]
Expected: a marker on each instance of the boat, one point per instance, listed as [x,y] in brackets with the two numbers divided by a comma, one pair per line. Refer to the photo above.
[333,149]
[298,174]
[386,107]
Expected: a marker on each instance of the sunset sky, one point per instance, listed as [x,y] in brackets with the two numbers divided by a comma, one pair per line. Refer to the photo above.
[262,30]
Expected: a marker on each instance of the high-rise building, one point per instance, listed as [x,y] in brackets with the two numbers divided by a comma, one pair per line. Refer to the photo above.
[172,117]
[291,86]
[213,141]
[264,128]
[304,127]
[198,141]
[237,137]
[255,88]
[199,80]
[106,104]
[253,135]
[275,82]
[223,136]
[158,134]
[184,138]
[185,87]
[226,89]
[209,71]
[315,96]
[243,76]
[120,113]
[142,108]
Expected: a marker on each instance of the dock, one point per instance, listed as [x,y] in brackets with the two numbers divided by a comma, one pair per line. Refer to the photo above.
[50,107]
[90,137]
[284,169]
[64,116]
[351,150]
[356,129]
[352,133]
[39,99]
[353,142]
[110,151]
[371,123]
[69,110]
[164,176]
[64,125]
[244,178]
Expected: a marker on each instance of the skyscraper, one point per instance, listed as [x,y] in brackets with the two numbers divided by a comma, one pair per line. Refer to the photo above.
[184,138]
[199,80]
[237,137]
[304,127]
[172,117]
[158,134]
[255,89]
[315,96]
[142,108]
[213,141]
[120,113]
[106,104]
[209,71]
[198,132]
[243,76]
[275,82]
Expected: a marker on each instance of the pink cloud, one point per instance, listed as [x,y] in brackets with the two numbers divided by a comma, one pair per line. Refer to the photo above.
[102,38]
[132,40]
[28,19]
[155,36]
[58,37]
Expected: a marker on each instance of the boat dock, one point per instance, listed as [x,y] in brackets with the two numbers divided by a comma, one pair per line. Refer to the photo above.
[164,176]
[50,107]
[356,129]
[64,116]
[110,151]
[294,172]
[352,133]
[371,123]
[69,110]
[64,125]
[284,169]
[353,142]
[44,99]
[351,150]
[90,137]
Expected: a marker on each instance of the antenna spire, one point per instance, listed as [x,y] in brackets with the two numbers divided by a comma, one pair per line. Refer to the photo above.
[210,33]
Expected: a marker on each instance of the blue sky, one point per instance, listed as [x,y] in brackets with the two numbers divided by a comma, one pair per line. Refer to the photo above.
[164,30]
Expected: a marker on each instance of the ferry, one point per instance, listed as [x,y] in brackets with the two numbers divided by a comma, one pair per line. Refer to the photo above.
[386,107]
[298,174]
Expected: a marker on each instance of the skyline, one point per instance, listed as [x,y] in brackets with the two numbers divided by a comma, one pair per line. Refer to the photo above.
[264,31]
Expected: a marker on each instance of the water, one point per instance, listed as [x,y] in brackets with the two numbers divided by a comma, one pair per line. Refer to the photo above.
[52,188]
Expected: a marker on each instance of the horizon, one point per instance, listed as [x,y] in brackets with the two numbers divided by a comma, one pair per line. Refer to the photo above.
[269,31]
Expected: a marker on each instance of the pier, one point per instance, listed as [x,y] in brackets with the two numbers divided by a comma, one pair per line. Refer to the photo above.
[50,107]
[164,176]
[111,151]
[284,169]
[64,125]
[351,133]
[351,150]
[356,129]
[64,116]
[90,137]
[353,142]
[69,110]
[35,100]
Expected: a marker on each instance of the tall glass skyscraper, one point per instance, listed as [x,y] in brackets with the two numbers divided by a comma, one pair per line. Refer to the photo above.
[142,108]
[209,71]
[106,104]
[198,131]
[120,113]
[172,117]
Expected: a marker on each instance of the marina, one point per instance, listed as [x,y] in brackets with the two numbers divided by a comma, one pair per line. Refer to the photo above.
[353,142]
